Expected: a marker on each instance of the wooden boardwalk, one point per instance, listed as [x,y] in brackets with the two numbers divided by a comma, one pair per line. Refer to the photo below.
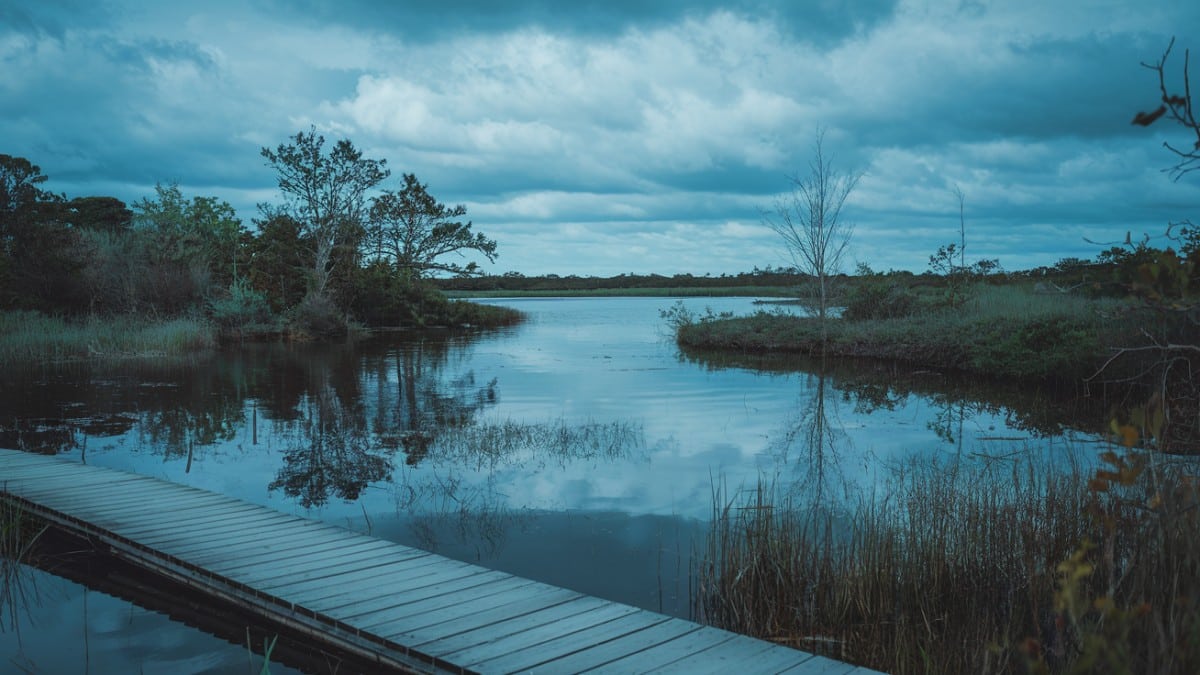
[399,607]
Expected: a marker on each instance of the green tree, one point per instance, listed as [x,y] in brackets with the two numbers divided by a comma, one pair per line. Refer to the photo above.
[39,267]
[280,259]
[325,192]
[105,214]
[414,232]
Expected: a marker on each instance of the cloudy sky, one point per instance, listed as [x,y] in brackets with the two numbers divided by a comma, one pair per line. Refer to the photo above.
[608,136]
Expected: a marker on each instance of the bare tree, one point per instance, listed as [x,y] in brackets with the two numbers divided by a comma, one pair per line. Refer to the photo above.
[1177,107]
[810,221]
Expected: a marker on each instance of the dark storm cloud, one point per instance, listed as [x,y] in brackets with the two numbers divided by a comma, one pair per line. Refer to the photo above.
[605,137]
[823,22]
[50,18]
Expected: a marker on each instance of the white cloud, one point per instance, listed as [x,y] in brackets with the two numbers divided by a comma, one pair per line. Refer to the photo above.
[647,146]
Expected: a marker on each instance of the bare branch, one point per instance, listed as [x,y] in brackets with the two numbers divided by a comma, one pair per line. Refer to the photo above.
[1177,107]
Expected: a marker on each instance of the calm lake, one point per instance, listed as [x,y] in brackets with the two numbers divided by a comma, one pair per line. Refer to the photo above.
[579,449]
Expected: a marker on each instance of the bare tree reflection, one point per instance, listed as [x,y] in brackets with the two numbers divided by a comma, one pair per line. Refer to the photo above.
[813,442]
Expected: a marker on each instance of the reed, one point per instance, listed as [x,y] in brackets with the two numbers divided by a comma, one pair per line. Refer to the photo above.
[18,535]
[1006,331]
[955,569]
[29,337]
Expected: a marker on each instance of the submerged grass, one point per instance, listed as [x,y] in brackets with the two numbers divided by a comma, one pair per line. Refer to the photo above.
[27,337]
[996,569]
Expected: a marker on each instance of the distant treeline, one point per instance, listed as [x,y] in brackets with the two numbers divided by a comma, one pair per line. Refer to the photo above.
[515,281]
[1108,274]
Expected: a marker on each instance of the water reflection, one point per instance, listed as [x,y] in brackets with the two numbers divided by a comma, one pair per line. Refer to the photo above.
[813,443]
[873,386]
[578,449]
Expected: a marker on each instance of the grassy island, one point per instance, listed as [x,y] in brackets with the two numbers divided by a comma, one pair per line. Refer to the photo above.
[1000,331]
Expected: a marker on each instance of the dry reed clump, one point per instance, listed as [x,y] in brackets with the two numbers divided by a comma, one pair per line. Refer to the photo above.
[27,337]
[960,570]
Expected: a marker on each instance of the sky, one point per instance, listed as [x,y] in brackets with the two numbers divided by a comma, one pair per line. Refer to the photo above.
[603,137]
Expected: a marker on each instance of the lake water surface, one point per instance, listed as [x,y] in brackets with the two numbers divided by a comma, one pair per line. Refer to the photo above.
[579,449]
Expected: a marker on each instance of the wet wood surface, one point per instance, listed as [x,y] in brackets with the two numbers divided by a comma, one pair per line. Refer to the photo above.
[406,609]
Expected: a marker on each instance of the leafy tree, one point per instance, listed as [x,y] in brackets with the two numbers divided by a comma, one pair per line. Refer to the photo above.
[414,231]
[105,214]
[325,193]
[280,259]
[810,221]
[202,234]
[38,265]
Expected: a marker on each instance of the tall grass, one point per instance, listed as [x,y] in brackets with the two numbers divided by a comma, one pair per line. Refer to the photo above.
[1006,331]
[17,537]
[956,570]
[33,337]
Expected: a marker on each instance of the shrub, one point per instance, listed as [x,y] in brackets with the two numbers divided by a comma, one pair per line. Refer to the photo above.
[879,298]
[242,310]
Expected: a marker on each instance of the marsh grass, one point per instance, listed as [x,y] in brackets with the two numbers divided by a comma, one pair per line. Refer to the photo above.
[31,337]
[957,570]
[18,535]
[1001,331]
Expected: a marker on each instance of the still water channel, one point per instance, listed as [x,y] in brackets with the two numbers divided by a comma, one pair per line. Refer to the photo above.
[579,449]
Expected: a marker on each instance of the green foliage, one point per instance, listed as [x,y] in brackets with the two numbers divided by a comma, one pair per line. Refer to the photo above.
[37,268]
[325,193]
[385,297]
[200,235]
[1059,348]
[241,311]
[282,261]
[317,316]
[31,337]
[1127,599]
[414,232]
[106,214]
[875,296]
[1002,331]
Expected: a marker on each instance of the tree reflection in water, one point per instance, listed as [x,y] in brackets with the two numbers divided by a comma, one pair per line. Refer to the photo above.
[334,454]
[815,443]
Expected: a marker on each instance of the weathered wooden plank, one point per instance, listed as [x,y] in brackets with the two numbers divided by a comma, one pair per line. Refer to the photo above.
[503,637]
[484,596]
[314,555]
[450,614]
[269,530]
[399,571]
[548,598]
[820,665]
[58,484]
[277,568]
[734,654]
[280,558]
[555,643]
[685,646]
[134,513]
[419,584]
